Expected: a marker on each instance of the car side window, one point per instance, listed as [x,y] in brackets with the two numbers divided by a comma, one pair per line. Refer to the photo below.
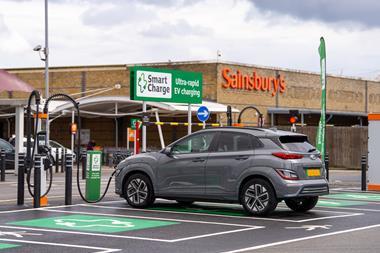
[198,143]
[230,142]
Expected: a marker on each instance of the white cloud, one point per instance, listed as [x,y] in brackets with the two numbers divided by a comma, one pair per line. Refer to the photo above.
[84,32]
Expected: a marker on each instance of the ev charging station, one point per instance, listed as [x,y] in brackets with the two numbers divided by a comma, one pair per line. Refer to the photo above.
[373,152]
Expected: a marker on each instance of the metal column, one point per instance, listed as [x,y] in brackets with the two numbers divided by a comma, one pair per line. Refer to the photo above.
[143,129]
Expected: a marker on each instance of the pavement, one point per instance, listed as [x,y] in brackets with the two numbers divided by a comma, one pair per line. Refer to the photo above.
[347,220]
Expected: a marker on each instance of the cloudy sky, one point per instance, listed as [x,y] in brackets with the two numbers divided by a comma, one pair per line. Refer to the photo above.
[278,33]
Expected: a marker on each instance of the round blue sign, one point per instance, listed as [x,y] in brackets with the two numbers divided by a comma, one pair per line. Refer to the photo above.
[203,113]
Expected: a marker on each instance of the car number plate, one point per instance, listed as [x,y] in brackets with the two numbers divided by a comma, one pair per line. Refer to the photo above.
[313,172]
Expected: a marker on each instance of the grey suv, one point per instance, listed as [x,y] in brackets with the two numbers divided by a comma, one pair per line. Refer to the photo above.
[255,167]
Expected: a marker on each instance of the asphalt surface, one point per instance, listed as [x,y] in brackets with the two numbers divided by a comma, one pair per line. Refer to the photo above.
[344,221]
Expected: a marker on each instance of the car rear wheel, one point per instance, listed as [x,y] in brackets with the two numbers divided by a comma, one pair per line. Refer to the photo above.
[258,197]
[302,204]
[139,191]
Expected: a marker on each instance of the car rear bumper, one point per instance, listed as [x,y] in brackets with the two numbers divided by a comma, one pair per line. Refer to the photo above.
[302,188]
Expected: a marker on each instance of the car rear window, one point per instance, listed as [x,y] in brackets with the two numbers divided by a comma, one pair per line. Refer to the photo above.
[296,143]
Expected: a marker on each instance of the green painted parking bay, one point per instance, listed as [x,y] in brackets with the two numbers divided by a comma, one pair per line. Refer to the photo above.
[7,246]
[355,196]
[339,203]
[93,223]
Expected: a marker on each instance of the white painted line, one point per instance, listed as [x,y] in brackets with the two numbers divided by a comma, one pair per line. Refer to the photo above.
[330,217]
[188,213]
[345,214]
[153,218]
[353,209]
[214,234]
[50,207]
[133,237]
[97,249]
[85,233]
[301,239]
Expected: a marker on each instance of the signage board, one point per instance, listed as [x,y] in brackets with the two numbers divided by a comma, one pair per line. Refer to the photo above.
[150,84]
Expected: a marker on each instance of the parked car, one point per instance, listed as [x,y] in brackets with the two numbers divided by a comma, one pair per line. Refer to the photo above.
[53,144]
[255,167]
[9,154]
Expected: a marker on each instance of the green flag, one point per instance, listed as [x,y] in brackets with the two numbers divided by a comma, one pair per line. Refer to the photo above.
[320,143]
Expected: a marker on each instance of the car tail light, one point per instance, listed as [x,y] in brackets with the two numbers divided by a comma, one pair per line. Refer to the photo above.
[287,156]
[287,174]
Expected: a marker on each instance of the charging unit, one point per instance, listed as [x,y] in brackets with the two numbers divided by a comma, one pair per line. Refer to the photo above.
[94,175]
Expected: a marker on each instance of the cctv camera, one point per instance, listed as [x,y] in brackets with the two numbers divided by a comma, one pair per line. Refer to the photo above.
[37,48]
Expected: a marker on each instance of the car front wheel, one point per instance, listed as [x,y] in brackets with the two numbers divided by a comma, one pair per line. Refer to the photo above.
[302,204]
[139,191]
[258,197]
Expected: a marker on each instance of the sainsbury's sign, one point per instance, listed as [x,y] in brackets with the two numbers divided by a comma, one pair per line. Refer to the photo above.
[239,81]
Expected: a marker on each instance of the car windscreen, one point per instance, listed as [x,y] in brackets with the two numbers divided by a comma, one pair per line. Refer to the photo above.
[296,143]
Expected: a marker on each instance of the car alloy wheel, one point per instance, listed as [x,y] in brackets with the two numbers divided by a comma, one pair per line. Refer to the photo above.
[256,197]
[137,191]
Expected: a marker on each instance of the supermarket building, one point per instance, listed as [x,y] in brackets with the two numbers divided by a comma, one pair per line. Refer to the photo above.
[274,91]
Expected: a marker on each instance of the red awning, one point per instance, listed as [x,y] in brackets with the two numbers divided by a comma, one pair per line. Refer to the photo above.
[10,82]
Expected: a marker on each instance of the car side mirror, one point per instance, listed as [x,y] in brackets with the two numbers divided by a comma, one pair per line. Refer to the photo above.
[167,151]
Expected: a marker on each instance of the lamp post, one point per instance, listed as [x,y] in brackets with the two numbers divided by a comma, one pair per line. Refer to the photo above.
[45,58]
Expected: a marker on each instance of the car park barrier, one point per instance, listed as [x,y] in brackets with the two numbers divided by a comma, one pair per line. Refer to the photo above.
[3,165]
[180,124]
[364,172]
[68,179]
[21,179]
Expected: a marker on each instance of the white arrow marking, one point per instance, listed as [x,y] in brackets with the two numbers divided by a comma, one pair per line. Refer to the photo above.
[19,234]
[311,227]
[204,113]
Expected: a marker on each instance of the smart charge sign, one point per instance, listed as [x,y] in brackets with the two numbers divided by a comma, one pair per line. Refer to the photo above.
[175,86]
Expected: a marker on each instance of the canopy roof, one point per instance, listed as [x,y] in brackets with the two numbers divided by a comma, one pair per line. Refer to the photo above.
[119,106]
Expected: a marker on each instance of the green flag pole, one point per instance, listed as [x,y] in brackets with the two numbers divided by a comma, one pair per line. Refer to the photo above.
[321,134]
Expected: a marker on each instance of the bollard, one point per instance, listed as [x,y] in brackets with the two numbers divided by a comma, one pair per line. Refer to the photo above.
[56,160]
[21,179]
[63,157]
[84,162]
[327,165]
[37,181]
[364,172]
[68,179]
[3,164]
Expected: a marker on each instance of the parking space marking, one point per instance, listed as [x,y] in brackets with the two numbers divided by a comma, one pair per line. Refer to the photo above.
[301,239]
[97,249]
[86,233]
[342,215]
[154,218]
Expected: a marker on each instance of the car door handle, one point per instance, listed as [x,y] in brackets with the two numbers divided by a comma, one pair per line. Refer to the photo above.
[241,157]
[198,160]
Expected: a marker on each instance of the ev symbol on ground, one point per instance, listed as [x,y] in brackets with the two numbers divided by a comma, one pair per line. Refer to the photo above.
[109,223]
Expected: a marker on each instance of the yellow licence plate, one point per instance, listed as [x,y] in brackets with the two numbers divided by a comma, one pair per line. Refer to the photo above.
[313,172]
